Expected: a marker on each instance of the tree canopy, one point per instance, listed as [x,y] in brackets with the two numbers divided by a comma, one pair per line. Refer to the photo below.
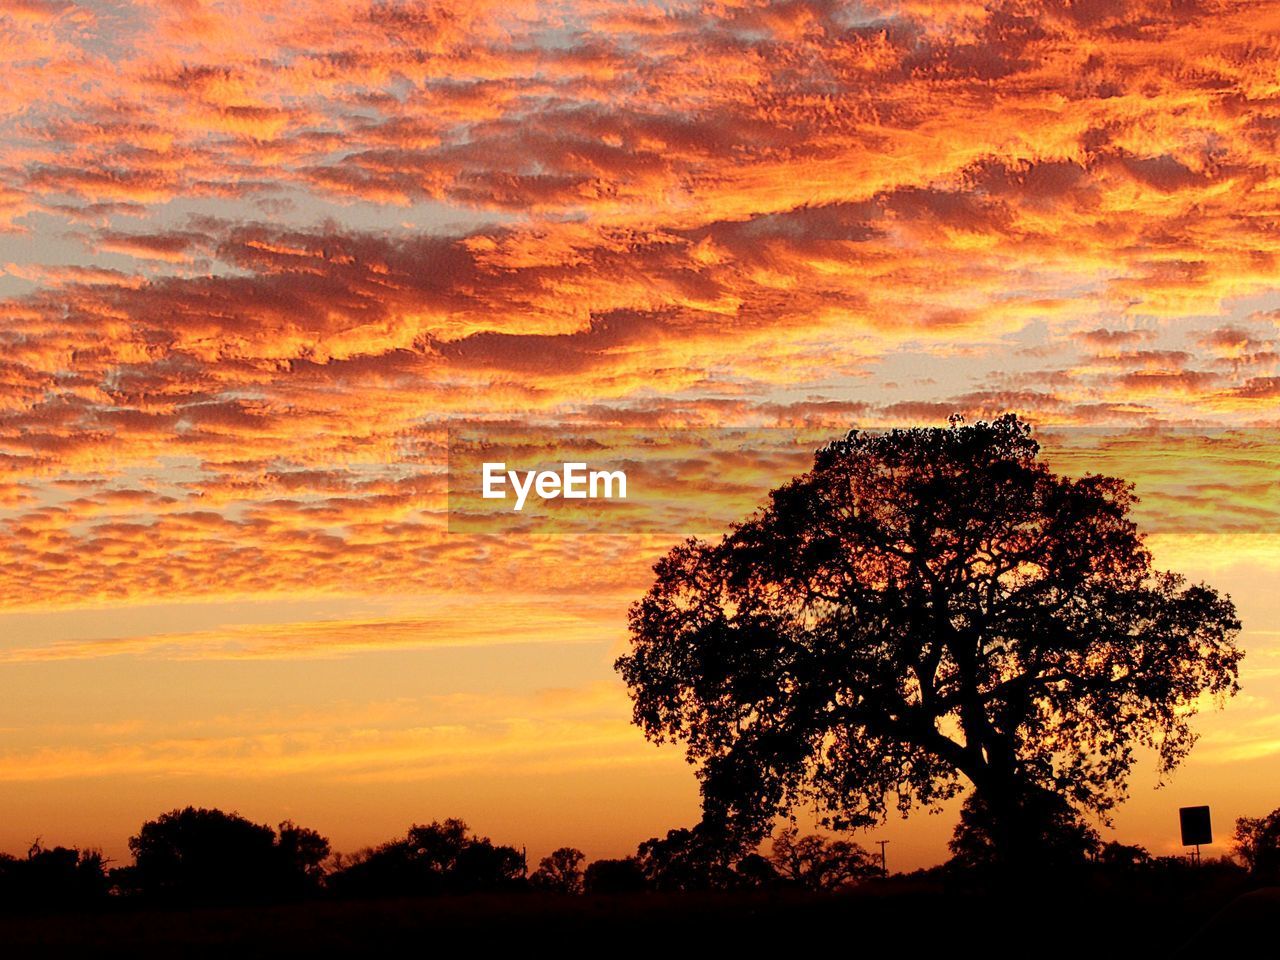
[686,860]
[439,857]
[815,862]
[925,608]
[1064,839]
[613,876]
[1257,842]
[47,876]
[560,871]
[208,855]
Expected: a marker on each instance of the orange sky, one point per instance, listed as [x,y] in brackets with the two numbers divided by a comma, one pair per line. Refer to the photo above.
[256,258]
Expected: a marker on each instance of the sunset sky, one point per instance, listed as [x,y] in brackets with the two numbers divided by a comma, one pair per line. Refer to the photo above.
[256,260]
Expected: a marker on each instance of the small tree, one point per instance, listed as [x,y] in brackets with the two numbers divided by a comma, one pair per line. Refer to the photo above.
[52,877]
[1064,840]
[687,859]
[439,857]
[819,863]
[302,852]
[1123,856]
[926,607]
[613,876]
[560,872]
[196,854]
[1258,845]
[754,870]
[206,855]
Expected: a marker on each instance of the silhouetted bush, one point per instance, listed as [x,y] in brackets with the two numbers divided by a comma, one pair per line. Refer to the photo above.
[614,876]
[820,863]
[199,855]
[755,871]
[1121,856]
[688,859]
[432,859]
[1257,844]
[1054,836]
[52,879]
[560,872]
[702,858]
[302,852]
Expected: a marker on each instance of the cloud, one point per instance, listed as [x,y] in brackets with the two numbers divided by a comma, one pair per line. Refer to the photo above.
[507,621]
[548,731]
[281,251]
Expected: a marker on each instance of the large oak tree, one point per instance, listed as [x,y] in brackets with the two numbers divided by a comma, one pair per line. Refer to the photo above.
[926,607]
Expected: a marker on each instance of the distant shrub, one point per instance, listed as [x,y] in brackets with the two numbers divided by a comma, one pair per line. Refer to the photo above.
[1257,844]
[560,872]
[52,878]
[614,876]
[200,855]
[688,859]
[815,862]
[440,857]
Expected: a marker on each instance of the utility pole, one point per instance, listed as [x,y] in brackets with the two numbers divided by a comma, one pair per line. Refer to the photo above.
[884,863]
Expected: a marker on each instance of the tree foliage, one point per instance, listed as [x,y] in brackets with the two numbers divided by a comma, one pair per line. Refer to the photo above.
[614,876]
[52,876]
[815,862]
[439,857]
[687,859]
[704,858]
[925,607]
[1257,843]
[1123,856]
[303,853]
[560,871]
[208,855]
[1063,838]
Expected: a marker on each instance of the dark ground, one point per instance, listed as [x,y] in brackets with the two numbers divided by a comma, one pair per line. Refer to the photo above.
[900,921]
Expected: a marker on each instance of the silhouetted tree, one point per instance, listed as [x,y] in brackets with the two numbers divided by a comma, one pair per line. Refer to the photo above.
[199,854]
[1258,845]
[440,857]
[819,863]
[560,872]
[687,859]
[52,878]
[303,852]
[1064,839]
[203,855]
[755,870]
[923,607]
[614,876]
[1123,856]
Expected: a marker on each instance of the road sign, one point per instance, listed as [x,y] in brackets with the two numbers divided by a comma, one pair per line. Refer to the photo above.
[1196,828]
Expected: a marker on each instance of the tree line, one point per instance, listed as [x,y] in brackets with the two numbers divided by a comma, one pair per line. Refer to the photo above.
[206,856]
[199,855]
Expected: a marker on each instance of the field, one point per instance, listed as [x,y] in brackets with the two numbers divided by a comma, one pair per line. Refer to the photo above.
[901,920]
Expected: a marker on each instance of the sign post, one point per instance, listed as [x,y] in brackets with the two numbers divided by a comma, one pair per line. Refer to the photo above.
[1196,828]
